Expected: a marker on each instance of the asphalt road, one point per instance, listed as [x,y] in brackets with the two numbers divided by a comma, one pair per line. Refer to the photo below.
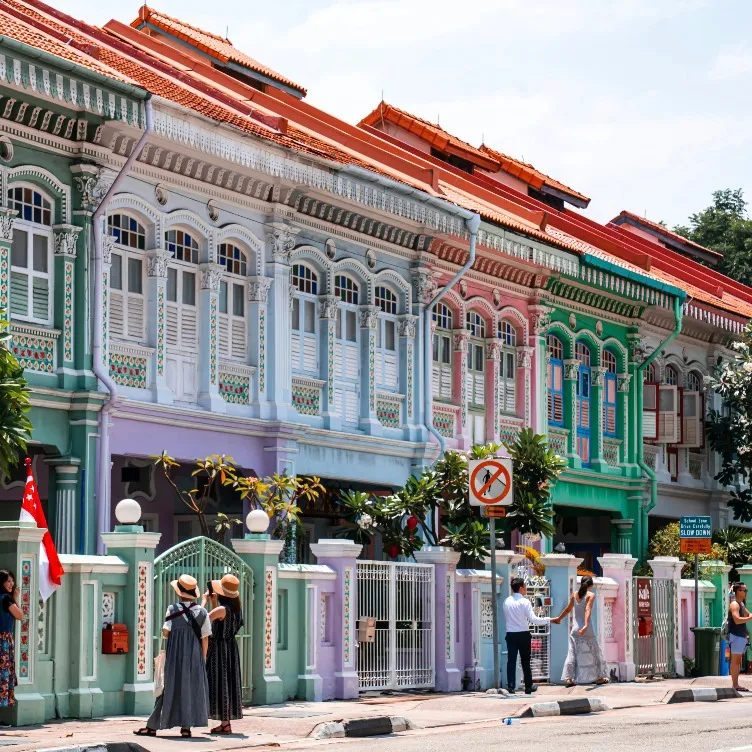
[692,727]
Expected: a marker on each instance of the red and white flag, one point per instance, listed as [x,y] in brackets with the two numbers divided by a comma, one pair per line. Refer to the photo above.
[50,568]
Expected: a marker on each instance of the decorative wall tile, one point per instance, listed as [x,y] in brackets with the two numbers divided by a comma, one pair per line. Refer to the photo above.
[262,351]
[24,647]
[608,619]
[128,370]
[410,377]
[269,621]
[347,597]
[34,352]
[449,617]
[443,422]
[142,585]
[160,329]
[108,608]
[508,432]
[44,613]
[322,617]
[486,618]
[306,399]
[388,411]
[371,370]
[557,440]
[611,452]
[105,316]
[68,322]
[330,361]
[695,465]
[234,388]
[213,339]
[4,279]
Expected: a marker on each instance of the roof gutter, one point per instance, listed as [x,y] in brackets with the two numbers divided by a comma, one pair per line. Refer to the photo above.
[652,477]
[101,369]
[62,64]
[609,266]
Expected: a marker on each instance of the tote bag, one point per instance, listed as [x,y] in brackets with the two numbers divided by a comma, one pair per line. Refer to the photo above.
[159,667]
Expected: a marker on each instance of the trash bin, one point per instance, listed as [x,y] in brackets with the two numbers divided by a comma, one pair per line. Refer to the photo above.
[707,650]
[725,664]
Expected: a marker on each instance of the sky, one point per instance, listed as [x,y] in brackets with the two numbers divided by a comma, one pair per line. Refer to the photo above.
[640,104]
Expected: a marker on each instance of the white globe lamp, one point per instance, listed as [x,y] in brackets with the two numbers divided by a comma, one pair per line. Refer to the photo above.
[128,512]
[257,521]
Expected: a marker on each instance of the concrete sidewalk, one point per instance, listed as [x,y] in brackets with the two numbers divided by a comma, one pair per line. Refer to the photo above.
[295,721]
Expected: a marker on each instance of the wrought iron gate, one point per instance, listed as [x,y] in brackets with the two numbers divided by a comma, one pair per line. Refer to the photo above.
[539,595]
[205,560]
[400,597]
[654,648]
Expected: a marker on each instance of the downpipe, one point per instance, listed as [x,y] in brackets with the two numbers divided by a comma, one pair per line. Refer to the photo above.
[648,471]
[101,370]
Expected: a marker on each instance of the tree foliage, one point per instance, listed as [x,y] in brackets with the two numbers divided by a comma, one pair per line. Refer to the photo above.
[666,542]
[724,226]
[15,427]
[729,431]
[406,519]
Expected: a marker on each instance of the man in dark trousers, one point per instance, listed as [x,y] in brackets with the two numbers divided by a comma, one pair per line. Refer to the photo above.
[518,616]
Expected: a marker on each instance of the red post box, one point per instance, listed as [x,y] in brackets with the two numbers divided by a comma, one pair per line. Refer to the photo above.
[114,639]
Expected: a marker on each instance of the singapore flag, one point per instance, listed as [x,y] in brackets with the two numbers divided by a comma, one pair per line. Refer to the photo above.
[50,568]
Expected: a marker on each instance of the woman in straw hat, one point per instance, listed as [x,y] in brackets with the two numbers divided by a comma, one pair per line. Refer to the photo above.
[185,699]
[223,660]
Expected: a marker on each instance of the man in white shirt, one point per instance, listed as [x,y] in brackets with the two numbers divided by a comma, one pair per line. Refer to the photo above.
[518,616]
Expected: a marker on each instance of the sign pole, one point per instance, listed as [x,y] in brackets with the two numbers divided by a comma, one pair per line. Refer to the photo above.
[494,603]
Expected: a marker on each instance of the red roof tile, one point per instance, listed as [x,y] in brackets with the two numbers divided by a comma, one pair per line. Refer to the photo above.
[211,44]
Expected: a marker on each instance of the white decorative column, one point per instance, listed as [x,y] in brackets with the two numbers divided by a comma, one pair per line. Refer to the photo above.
[327,321]
[156,291]
[598,378]
[539,321]
[407,374]
[525,357]
[461,346]
[571,374]
[623,381]
[493,388]
[6,239]
[424,290]
[618,567]
[669,568]
[369,320]
[280,242]
[208,372]
[107,243]
[66,237]
[258,301]
[67,495]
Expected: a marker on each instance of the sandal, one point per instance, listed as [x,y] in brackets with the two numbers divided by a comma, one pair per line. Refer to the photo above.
[600,682]
[145,732]
[185,733]
[223,728]
[570,684]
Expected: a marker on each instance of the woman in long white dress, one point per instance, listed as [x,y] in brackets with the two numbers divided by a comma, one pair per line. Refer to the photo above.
[585,663]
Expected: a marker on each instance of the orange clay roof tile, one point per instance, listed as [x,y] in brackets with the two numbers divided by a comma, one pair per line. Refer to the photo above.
[209,43]
[529,174]
[661,230]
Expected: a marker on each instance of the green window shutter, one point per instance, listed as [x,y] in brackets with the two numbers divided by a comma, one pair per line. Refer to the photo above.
[40,292]
[19,294]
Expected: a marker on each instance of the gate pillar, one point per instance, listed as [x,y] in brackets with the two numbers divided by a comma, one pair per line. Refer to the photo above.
[619,568]
[341,556]
[448,675]
[561,571]
[261,553]
[136,548]
[669,568]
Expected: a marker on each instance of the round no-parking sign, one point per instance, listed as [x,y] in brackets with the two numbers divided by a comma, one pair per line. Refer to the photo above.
[490,481]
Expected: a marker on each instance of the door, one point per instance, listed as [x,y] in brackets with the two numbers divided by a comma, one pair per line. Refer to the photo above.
[654,626]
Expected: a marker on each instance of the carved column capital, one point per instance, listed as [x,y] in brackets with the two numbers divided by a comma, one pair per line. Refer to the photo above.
[406,326]
[258,289]
[493,349]
[461,340]
[328,307]
[211,276]
[92,183]
[369,317]
[540,318]
[281,240]
[598,375]
[571,369]
[638,349]
[157,260]
[622,381]
[108,243]
[525,356]
[424,286]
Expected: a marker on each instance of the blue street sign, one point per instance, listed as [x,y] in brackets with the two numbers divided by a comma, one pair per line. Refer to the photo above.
[695,527]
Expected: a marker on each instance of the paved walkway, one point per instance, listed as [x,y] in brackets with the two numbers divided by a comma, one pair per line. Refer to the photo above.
[295,721]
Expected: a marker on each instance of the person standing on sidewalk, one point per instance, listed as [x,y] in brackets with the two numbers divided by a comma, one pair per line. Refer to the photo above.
[10,613]
[223,659]
[518,616]
[184,701]
[738,616]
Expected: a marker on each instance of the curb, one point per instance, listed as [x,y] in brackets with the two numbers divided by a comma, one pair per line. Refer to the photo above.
[359,727]
[709,694]
[565,707]
[98,747]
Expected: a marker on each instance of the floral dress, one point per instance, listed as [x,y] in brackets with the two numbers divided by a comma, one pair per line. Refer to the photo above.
[7,653]
[585,663]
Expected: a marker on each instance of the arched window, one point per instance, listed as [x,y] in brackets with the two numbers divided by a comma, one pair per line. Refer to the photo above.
[442,352]
[386,340]
[305,284]
[346,351]
[127,231]
[127,277]
[181,315]
[232,259]
[671,376]
[582,353]
[609,394]
[555,381]
[31,256]
[508,368]
[476,362]
[182,245]
[695,381]
[233,327]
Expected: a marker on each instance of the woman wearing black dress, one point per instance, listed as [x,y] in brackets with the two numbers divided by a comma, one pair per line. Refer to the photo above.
[223,659]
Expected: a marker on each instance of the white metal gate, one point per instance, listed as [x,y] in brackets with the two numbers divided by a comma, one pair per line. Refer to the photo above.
[654,653]
[539,595]
[400,597]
